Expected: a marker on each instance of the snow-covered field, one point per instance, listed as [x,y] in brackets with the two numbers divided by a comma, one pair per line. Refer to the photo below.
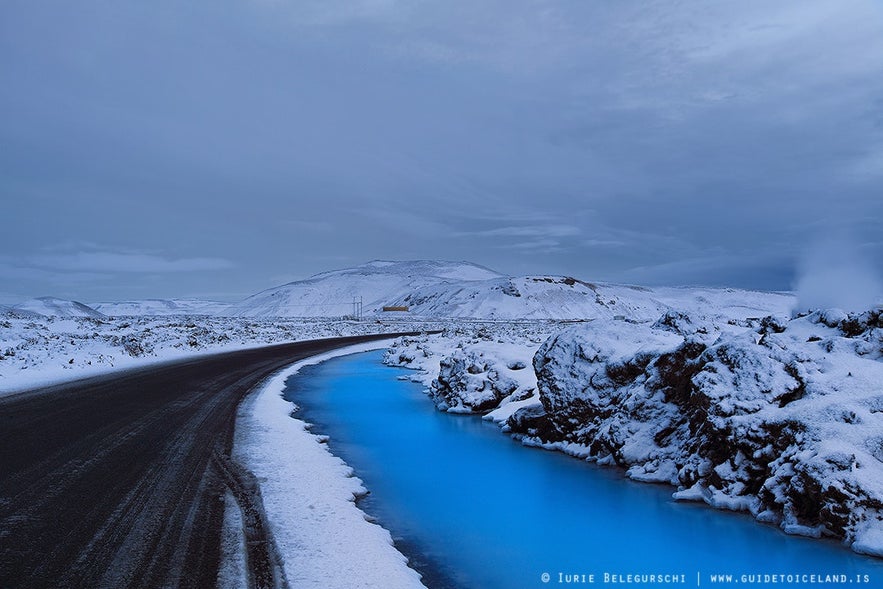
[36,350]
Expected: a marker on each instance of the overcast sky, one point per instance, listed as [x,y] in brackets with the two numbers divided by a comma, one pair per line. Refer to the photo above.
[215,148]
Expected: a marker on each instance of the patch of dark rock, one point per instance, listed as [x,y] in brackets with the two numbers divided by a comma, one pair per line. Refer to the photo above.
[675,371]
[534,421]
[623,373]
[770,324]
[797,392]
[805,495]
[510,290]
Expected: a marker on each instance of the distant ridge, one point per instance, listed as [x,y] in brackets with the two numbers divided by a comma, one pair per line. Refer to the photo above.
[55,307]
[162,307]
[441,289]
[377,283]
[433,289]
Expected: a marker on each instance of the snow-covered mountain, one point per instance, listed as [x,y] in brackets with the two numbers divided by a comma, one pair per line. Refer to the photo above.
[432,289]
[54,307]
[162,307]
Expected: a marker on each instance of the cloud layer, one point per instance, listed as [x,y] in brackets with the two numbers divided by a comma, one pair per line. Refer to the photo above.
[641,141]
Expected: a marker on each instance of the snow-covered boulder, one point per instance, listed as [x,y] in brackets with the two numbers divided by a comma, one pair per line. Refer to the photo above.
[468,382]
[784,419]
[475,368]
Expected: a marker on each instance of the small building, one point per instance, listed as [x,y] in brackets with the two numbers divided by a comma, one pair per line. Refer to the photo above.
[403,309]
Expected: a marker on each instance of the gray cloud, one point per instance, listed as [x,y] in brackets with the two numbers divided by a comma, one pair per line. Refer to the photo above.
[641,141]
[529,231]
[125,262]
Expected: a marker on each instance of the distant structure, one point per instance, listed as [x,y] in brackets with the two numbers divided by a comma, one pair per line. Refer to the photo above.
[357,308]
[396,309]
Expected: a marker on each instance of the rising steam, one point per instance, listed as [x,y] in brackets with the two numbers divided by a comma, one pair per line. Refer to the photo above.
[835,274]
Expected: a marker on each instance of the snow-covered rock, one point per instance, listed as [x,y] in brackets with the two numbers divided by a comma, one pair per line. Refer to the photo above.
[782,418]
[476,367]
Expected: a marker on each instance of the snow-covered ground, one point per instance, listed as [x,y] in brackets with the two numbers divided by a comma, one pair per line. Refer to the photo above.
[36,350]
[161,307]
[324,539]
[779,417]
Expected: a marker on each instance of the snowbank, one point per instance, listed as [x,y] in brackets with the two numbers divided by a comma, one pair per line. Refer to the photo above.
[309,496]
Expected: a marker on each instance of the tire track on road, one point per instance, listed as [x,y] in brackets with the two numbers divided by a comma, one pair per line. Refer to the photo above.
[117,481]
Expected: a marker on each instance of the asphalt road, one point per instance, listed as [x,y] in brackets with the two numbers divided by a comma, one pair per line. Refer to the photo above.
[111,481]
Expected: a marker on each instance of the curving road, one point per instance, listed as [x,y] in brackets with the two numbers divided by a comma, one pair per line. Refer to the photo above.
[115,481]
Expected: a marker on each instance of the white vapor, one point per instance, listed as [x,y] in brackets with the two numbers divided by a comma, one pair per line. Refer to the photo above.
[836,275]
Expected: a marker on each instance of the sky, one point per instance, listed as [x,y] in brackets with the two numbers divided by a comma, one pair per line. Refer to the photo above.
[216,148]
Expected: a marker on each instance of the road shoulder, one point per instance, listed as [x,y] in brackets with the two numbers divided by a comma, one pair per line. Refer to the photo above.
[309,495]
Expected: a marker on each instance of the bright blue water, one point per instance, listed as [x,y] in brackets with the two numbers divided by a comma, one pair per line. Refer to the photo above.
[484,511]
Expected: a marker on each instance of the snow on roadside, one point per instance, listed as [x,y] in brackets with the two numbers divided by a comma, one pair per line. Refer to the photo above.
[324,539]
[232,572]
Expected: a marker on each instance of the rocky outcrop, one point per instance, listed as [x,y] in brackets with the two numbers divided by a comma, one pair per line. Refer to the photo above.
[782,418]
[468,382]
[474,369]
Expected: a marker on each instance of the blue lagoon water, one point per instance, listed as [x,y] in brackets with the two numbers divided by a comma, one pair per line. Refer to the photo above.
[473,508]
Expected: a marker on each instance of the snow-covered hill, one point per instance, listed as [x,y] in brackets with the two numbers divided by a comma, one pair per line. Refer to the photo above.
[431,289]
[53,307]
[162,308]
[378,284]
[532,297]
[444,290]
